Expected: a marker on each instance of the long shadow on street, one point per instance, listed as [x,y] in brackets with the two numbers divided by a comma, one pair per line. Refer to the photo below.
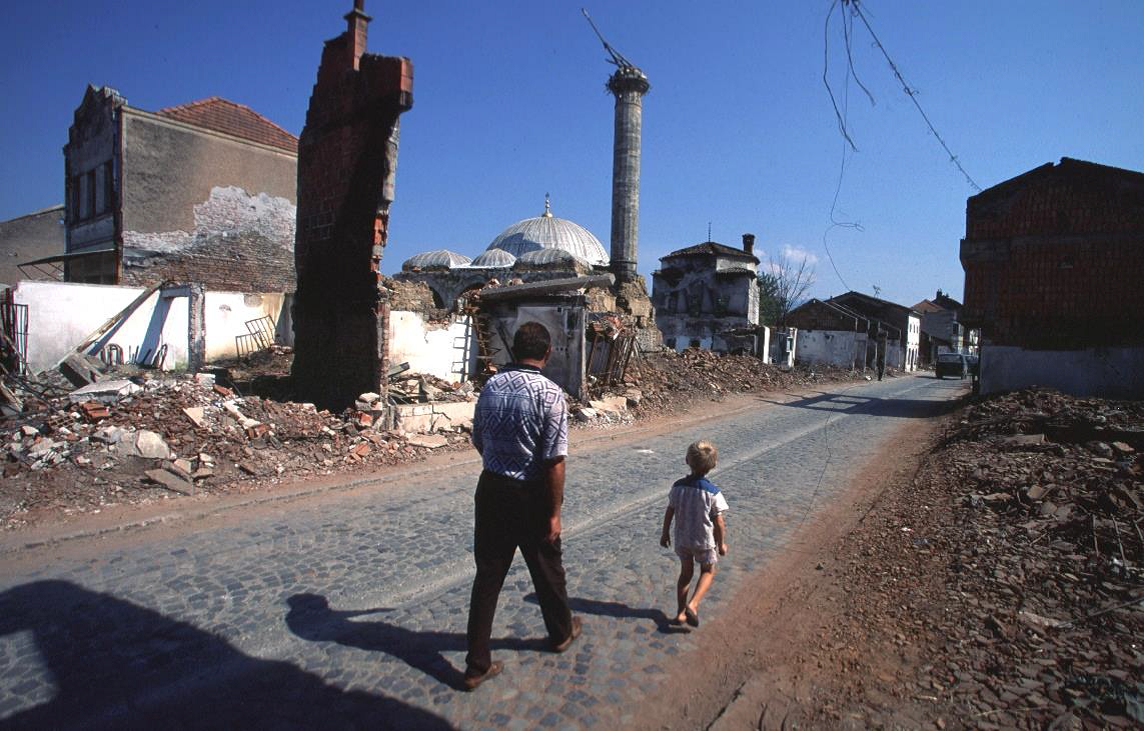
[110,663]
[897,408]
[311,618]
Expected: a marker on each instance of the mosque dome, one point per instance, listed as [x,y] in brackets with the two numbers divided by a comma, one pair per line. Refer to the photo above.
[436,259]
[550,258]
[546,232]
[494,259]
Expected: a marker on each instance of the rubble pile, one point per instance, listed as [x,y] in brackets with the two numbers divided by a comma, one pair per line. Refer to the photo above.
[668,381]
[119,442]
[1014,567]
[423,387]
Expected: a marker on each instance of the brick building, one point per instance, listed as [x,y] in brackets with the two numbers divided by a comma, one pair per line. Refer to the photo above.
[347,168]
[901,326]
[202,192]
[1053,261]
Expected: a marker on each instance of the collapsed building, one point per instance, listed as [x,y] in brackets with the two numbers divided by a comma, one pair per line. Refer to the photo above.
[1052,261]
[706,293]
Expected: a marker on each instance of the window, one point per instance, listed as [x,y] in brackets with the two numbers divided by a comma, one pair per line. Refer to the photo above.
[104,189]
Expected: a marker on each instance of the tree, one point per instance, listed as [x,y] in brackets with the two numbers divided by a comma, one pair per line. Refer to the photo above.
[783,282]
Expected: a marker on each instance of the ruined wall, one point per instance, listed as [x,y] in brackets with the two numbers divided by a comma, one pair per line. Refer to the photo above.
[347,164]
[831,347]
[698,297]
[446,349]
[239,242]
[1053,257]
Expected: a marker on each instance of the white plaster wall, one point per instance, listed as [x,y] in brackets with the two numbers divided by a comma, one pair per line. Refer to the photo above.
[447,353]
[1104,372]
[833,347]
[227,314]
[62,314]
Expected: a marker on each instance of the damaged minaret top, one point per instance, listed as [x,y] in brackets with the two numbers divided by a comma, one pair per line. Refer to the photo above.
[628,84]
[347,163]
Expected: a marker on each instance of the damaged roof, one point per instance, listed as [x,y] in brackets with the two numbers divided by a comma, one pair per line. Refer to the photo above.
[710,248]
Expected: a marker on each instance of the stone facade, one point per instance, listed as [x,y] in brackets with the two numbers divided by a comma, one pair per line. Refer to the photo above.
[346,171]
[703,291]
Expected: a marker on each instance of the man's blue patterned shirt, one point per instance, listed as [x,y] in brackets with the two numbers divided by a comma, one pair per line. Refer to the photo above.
[521,422]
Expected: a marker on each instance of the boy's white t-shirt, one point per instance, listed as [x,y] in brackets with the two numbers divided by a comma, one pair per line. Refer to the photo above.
[696,502]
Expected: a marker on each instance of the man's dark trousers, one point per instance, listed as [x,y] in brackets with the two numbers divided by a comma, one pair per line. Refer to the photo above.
[513,514]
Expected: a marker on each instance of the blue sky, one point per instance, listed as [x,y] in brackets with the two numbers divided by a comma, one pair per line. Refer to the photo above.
[509,104]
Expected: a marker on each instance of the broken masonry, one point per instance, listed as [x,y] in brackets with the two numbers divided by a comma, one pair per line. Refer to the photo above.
[347,162]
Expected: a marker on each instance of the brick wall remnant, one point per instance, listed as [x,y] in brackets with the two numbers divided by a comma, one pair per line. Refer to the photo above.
[347,162]
[1053,258]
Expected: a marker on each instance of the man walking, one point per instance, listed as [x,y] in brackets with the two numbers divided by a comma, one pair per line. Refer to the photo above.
[520,429]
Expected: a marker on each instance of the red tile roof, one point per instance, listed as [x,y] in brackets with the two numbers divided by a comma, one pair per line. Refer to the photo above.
[222,115]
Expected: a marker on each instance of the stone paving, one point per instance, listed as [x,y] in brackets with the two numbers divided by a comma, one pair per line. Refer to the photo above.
[349,612]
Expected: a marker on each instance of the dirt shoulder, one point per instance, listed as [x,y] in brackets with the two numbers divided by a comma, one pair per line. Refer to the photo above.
[953,594]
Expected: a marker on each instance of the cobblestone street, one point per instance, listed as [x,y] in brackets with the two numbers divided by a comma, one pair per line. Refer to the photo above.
[350,611]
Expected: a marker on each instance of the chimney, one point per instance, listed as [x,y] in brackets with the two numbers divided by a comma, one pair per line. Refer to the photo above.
[749,244]
[628,84]
[357,23]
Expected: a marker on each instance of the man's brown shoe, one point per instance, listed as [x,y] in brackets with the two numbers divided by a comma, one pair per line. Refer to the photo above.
[472,681]
[576,629]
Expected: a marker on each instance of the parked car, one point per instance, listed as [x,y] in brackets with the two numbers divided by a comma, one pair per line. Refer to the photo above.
[951,364]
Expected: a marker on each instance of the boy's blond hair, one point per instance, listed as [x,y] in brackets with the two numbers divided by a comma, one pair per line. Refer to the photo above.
[701,457]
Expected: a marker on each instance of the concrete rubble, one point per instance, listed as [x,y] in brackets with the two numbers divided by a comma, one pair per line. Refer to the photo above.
[116,442]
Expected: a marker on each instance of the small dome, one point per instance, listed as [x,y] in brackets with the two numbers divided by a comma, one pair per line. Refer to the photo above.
[494,258]
[549,232]
[436,259]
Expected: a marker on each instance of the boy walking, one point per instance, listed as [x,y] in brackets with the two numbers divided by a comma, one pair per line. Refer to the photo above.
[697,507]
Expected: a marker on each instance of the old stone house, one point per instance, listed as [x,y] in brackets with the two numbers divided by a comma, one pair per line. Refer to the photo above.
[1053,261]
[702,292]
[903,337]
[203,192]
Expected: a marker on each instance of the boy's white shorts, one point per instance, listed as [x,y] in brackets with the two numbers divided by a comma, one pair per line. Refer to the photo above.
[706,556]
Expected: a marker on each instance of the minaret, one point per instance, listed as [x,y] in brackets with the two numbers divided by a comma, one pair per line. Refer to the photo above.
[628,84]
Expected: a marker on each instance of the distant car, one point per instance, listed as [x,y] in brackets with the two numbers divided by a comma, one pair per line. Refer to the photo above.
[951,364]
[974,365]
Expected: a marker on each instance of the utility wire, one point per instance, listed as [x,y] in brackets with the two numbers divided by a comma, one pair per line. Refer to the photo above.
[910,91]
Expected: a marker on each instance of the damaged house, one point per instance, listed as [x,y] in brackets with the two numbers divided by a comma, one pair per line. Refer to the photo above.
[901,326]
[832,334]
[1053,261]
[202,192]
[703,293]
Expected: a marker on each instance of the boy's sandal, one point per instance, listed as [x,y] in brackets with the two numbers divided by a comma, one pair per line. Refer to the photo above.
[692,617]
[472,681]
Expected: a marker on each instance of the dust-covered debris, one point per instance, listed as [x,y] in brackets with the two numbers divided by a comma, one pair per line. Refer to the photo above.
[1004,586]
[166,436]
